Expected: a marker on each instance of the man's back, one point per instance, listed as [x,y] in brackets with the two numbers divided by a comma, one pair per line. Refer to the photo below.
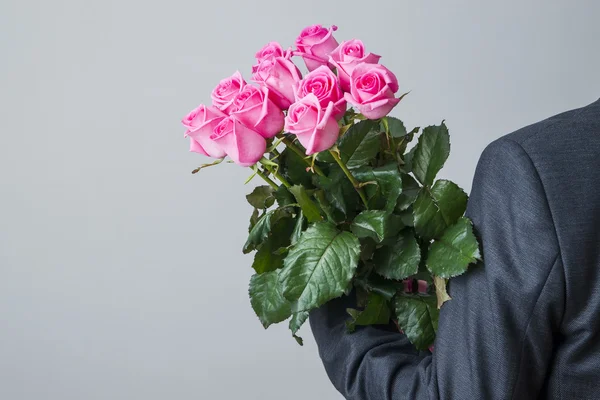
[565,151]
[524,325]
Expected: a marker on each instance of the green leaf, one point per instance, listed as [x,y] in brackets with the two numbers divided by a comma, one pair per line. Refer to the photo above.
[298,228]
[388,188]
[396,127]
[333,215]
[377,284]
[376,224]
[451,200]
[267,300]
[261,197]
[253,219]
[407,217]
[410,190]
[268,257]
[325,156]
[428,220]
[431,153]
[408,161]
[360,144]
[293,167]
[320,266]
[418,318]
[260,231]
[451,254]
[298,319]
[283,196]
[377,312]
[309,208]
[400,260]
[338,190]
[437,208]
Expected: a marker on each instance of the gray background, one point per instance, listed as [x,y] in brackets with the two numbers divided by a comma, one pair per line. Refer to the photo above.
[120,272]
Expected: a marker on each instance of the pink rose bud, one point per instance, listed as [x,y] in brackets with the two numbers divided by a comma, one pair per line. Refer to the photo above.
[325,85]
[422,286]
[270,50]
[200,123]
[279,75]
[225,92]
[408,285]
[316,128]
[372,89]
[243,145]
[347,56]
[253,108]
[314,45]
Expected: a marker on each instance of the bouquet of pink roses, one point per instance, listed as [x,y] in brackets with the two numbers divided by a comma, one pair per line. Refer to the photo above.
[345,205]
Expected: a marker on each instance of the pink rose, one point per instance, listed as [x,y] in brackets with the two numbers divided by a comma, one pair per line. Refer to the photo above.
[243,145]
[279,75]
[315,127]
[270,50]
[226,90]
[325,85]
[253,108]
[200,123]
[314,45]
[422,286]
[347,56]
[197,148]
[372,89]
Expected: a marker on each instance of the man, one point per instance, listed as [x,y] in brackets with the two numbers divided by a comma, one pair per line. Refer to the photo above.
[525,324]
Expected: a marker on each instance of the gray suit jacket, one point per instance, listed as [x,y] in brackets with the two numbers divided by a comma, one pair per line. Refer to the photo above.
[526,323]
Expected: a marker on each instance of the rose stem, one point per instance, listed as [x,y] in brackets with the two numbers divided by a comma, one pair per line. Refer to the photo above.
[266,178]
[277,175]
[290,145]
[352,179]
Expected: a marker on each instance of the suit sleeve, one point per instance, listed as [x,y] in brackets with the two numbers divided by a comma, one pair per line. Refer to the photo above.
[496,335]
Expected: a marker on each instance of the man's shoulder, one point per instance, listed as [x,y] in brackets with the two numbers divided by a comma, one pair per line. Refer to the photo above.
[554,138]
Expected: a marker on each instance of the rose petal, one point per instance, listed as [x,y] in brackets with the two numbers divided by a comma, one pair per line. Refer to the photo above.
[197,148]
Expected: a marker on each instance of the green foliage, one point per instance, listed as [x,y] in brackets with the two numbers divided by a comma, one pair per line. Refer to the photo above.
[298,319]
[410,190]
[360,144]
[298,228]
[383,185]
[261,229]
[253,219]
[400,260]
[261,197]
[283,196]
[418,318]
[431,153]
[395,127]
[319,267]
[377,284]
[376,224]
[315,240]
[267,300]
[338,190]
[437,208]
[377,312]
[309,208]
[450,255]
[267,258]
[293,168]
